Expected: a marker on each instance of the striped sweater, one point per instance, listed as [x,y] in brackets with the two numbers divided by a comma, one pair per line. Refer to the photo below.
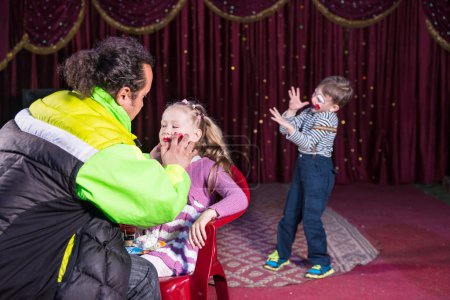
[178,254]
[314,132]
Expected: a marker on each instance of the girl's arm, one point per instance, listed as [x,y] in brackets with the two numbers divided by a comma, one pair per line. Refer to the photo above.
[233,200]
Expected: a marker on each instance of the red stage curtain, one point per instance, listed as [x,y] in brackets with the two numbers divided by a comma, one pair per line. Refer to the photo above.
[394,130]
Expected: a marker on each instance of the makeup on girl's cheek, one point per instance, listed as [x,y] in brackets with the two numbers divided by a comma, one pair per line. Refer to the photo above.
[180,137]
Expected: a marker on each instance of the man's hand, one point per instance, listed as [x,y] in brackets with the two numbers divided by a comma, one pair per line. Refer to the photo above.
[277,117]
[178,152]
[156,152]
[294,102]
[197,233]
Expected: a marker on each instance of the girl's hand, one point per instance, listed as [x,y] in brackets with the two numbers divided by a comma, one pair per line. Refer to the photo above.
[197,233]
[277,117]
[156,152]
[294,102]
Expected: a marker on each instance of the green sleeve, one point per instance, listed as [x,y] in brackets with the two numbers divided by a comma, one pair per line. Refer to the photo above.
[131,189]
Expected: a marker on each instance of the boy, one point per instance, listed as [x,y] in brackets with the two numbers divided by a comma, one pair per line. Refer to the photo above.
[313,131]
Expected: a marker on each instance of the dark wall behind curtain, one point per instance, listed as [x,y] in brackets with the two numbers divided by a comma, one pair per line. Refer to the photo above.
[395,129]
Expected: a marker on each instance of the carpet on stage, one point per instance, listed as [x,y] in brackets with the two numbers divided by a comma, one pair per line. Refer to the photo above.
[244,244]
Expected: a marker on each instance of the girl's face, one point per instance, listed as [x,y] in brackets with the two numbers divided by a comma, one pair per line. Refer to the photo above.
[321,102]
[176,120]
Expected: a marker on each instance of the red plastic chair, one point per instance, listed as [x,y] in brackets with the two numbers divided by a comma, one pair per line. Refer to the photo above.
[195,286]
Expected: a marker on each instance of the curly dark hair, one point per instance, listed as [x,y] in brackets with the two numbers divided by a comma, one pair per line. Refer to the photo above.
[112,64]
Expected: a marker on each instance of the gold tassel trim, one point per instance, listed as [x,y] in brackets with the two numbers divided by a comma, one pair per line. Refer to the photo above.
[10,55]
[436,36]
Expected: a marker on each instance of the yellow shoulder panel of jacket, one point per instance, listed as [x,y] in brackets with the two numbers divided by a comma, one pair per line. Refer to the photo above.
[83,117]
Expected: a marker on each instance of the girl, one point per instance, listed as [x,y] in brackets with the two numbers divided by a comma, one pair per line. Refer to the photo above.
[213,192]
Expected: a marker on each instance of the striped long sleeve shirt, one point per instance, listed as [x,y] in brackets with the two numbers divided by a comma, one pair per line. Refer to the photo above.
[314,132]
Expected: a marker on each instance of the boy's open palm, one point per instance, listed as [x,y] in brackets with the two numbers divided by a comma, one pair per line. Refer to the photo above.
[277,117]
[294,102]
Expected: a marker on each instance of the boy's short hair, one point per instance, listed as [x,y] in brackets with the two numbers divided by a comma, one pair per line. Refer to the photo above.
[338,88]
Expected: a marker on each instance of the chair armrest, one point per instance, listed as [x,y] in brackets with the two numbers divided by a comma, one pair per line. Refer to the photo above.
[224,220]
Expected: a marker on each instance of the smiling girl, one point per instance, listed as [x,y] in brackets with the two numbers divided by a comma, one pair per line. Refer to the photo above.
[213,192]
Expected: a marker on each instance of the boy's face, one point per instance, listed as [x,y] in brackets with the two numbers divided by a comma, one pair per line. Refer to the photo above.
[321,102]
[176,120]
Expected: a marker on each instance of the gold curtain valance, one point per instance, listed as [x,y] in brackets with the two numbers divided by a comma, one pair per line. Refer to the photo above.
[26,41]
[247,19]
[63,41]
[142,29]
[353,23]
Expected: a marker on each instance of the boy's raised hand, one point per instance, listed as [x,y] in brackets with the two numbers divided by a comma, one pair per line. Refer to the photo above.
[277,117]
[294,102]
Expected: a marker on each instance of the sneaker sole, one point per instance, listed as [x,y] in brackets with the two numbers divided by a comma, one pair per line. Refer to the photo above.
[313,276]
[276,269]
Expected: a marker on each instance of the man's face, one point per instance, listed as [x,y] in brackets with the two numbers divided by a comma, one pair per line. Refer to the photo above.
[125,97]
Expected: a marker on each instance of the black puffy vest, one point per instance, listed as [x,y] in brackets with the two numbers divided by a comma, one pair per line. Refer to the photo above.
[39,213]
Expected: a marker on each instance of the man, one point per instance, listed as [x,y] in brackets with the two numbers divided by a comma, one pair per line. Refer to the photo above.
[70,172]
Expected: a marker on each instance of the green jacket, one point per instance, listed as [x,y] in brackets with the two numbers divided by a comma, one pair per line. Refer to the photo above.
[125,185]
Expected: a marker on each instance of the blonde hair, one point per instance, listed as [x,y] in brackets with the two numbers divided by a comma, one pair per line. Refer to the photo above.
[211,144]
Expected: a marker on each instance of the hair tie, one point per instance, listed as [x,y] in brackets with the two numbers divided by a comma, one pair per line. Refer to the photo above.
[184,101]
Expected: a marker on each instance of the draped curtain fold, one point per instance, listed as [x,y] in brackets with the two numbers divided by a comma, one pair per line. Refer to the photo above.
[394,130]
[245,11]
[438,20]
[138,17]
[50,25]
[355,14]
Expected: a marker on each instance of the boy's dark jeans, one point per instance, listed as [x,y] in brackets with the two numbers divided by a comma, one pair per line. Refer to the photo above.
[310,189]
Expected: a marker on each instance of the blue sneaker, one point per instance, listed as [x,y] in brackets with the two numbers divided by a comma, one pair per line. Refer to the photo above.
[318,271]
[274,262]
